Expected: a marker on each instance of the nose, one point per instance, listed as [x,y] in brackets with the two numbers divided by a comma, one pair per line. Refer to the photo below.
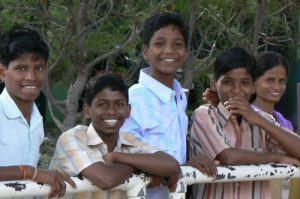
[168,48]
[111,109]
[236,88]
[30,75]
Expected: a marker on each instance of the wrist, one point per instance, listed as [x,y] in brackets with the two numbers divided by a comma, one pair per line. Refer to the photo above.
[29,172]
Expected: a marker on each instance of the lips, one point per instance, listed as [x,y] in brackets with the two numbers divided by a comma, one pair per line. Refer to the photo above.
[169,60]
[111,122]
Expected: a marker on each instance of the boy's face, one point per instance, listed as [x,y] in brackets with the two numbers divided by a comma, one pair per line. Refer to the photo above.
[24,78]
[237,82]
[166,51]
[107,112]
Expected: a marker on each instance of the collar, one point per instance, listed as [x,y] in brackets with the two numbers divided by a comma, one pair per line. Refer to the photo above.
[11,110]
[224,114]
[162,92]
[91,138]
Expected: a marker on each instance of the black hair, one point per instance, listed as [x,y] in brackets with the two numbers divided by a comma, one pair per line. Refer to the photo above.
[100,82]
[234,58]
[268,60]
[161,20]
[18,41]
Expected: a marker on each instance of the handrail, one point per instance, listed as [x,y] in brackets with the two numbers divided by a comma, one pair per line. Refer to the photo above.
[136,185]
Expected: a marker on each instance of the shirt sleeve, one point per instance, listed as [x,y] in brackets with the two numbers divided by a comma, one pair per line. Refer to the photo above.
[72,155]
[206,137]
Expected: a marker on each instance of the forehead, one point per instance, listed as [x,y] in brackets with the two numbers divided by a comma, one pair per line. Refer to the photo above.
[238,73]
[107,94]
[278,70]
[28,58]
[168,32]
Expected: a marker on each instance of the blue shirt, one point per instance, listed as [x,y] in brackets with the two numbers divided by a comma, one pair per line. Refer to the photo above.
[19,141]
[158,115]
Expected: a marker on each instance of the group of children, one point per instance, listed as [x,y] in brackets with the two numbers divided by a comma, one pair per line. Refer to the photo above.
[144,128]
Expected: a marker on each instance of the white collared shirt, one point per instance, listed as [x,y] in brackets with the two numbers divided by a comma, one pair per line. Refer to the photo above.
[158,115]
[19,141]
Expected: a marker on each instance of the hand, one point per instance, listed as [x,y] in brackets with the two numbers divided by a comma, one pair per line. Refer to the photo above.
[210,97]
[171,182]
[241,107]
[203,164]
[56,180]
[109,158]
[285,159]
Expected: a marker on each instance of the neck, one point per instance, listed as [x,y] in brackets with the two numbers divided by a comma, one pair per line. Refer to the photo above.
[166,80]
[264,106]
[110,141]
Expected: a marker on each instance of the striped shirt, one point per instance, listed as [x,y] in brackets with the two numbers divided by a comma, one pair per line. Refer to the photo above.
[158,115]
[215,129]
[81,146]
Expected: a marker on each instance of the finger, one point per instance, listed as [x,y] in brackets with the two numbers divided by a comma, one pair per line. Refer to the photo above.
[62,188]
[70,182]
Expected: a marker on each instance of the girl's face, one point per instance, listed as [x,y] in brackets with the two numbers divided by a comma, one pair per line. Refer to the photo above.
[271,85]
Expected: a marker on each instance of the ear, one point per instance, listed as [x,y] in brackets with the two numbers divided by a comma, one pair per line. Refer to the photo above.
[86,111]
[213,84]
[129,110]
[2,71]
[145,52]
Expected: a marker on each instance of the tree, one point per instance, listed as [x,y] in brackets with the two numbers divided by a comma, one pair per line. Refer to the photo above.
[84,34]
[81,34]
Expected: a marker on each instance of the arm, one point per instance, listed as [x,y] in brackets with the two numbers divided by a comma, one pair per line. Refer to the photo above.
[157,164]
[286,139]
[53,178]
[233,156]
[107,176]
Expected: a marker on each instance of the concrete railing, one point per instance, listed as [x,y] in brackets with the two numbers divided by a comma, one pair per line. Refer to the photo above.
[136,185]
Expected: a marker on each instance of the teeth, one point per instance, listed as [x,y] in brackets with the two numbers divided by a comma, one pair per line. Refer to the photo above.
[276,94]
[168,60]
[111,121]
[30,87]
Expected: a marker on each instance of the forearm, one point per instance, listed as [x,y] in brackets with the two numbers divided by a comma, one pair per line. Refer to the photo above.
[232,156]
[107,176]
[15,172]
[158,164]
[286,139]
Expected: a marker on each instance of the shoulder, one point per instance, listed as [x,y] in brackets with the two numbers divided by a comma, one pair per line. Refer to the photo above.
[76,134]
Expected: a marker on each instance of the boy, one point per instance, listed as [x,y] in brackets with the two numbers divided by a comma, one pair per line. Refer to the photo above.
[23,69]
[234,134]
[158,102]
[98,152]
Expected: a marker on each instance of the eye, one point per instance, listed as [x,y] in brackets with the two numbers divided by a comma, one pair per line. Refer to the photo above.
[20,68]
[227,82]
[282,81]
[119,104]
[270,80]
[159,44]
[40,68]
[179,44]
[246,82]
[101,105]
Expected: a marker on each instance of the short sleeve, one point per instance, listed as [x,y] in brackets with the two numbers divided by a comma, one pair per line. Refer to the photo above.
[72,155]
[206,136]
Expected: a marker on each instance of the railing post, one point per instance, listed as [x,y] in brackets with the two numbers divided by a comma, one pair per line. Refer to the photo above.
[298,108]
[180,191]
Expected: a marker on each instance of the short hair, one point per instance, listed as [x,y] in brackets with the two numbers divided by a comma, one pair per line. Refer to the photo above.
[234,58]
[18,41]
[268,60]
[161,20]
[100,82]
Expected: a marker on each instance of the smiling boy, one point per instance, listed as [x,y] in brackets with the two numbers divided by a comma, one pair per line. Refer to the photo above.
[233,133]
[98,152]
[23,69]
[158,115]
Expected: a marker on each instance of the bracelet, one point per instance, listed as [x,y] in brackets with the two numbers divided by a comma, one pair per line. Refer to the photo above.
[34,175]
[22,170]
